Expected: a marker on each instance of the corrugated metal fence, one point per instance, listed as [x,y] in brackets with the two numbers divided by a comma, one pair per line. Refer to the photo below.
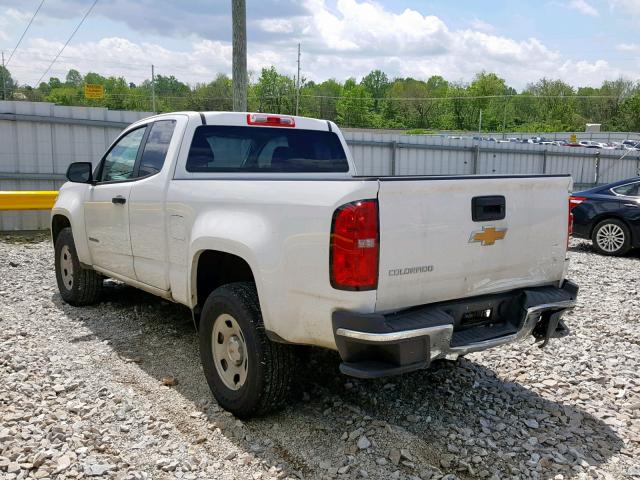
[394,154]
[39,140]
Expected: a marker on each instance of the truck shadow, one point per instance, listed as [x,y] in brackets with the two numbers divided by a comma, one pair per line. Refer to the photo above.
[451,412]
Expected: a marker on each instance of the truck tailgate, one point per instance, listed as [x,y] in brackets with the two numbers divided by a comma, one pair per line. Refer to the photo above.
[432,250]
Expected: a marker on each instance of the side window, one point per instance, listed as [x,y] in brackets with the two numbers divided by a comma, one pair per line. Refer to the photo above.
[155,150]
[628,190]
[120,162]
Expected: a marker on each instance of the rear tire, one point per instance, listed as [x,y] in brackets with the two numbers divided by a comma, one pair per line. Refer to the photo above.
[247,373]
[77,285]
[611,237]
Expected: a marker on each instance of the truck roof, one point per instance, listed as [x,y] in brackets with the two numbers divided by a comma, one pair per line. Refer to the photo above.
[256,119]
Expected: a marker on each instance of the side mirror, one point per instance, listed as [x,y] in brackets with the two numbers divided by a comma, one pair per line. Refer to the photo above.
[80,172]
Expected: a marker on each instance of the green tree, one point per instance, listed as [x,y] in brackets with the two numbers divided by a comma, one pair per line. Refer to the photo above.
[603,104]
[629,116]
[65,96]
[54,82]
[461,114]
[273,93]
[376,83]
[170,86]
[320,100]
[555,106]
[355,106]
[44,88]
[74,79]
[487,92]
[408,103]
[116,90]
[94,78]
[7,84]
[213,96]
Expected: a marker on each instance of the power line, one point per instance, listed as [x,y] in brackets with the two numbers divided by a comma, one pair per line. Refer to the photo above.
[68,40]
[24,32]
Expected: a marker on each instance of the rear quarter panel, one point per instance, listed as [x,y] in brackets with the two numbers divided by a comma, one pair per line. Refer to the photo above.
[281,228]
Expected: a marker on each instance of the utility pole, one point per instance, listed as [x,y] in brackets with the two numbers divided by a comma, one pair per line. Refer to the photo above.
[153,89]
[480,123]
[4,80]
[298,83]
[239,69]
[504,118]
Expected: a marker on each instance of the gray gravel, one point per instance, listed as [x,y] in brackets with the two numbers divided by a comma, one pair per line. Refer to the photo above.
[116,391]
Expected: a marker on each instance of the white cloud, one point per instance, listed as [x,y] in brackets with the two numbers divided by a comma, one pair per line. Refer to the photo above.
[627,6]
[628,47]
[583,7]
[368,27]
[3,36]
[276,25]
[478,24]
[122,57]
[411,44]
[18,15]
[348,38]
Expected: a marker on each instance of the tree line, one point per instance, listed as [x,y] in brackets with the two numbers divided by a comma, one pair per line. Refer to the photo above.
[486,103]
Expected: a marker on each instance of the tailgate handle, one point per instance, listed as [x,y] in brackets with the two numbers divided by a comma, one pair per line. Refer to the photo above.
[484,209]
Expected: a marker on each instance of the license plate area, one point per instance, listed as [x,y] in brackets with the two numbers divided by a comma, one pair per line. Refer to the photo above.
[476,317]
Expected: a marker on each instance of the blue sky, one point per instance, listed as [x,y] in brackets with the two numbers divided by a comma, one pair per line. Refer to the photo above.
[580,41]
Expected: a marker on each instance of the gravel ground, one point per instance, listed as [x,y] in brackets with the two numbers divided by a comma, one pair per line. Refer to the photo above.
[116,391]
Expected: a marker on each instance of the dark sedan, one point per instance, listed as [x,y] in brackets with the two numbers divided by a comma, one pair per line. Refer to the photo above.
[609,216]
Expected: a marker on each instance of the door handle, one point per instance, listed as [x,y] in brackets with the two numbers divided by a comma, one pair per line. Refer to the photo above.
[119,200]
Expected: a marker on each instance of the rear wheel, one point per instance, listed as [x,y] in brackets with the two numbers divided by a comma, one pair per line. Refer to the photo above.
[611,237]
[248,374]
[78,286]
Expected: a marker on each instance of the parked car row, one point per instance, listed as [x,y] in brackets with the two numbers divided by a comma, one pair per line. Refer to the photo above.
[633,145]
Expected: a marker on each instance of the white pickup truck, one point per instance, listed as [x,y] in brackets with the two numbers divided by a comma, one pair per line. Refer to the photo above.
[260,225]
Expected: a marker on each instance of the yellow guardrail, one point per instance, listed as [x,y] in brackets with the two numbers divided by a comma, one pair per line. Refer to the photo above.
[27,200]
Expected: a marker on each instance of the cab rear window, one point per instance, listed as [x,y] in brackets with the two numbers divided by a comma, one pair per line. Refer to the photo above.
[265,149]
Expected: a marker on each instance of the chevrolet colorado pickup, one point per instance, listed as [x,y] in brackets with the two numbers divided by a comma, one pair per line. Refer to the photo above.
[259,224]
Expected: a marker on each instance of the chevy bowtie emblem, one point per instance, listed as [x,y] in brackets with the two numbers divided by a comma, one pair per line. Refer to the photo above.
[488,235]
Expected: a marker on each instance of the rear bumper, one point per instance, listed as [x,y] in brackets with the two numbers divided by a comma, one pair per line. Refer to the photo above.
[376,345]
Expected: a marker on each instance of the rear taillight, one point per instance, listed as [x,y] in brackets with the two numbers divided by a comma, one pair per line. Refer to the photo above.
[267,120]
[355,246]
[573,203]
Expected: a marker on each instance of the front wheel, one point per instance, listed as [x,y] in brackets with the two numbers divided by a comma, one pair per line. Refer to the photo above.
[248,374]
[77,285]
[611,237]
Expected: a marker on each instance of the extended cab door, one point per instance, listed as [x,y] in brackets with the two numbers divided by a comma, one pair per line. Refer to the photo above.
[147,212]
[106,206]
